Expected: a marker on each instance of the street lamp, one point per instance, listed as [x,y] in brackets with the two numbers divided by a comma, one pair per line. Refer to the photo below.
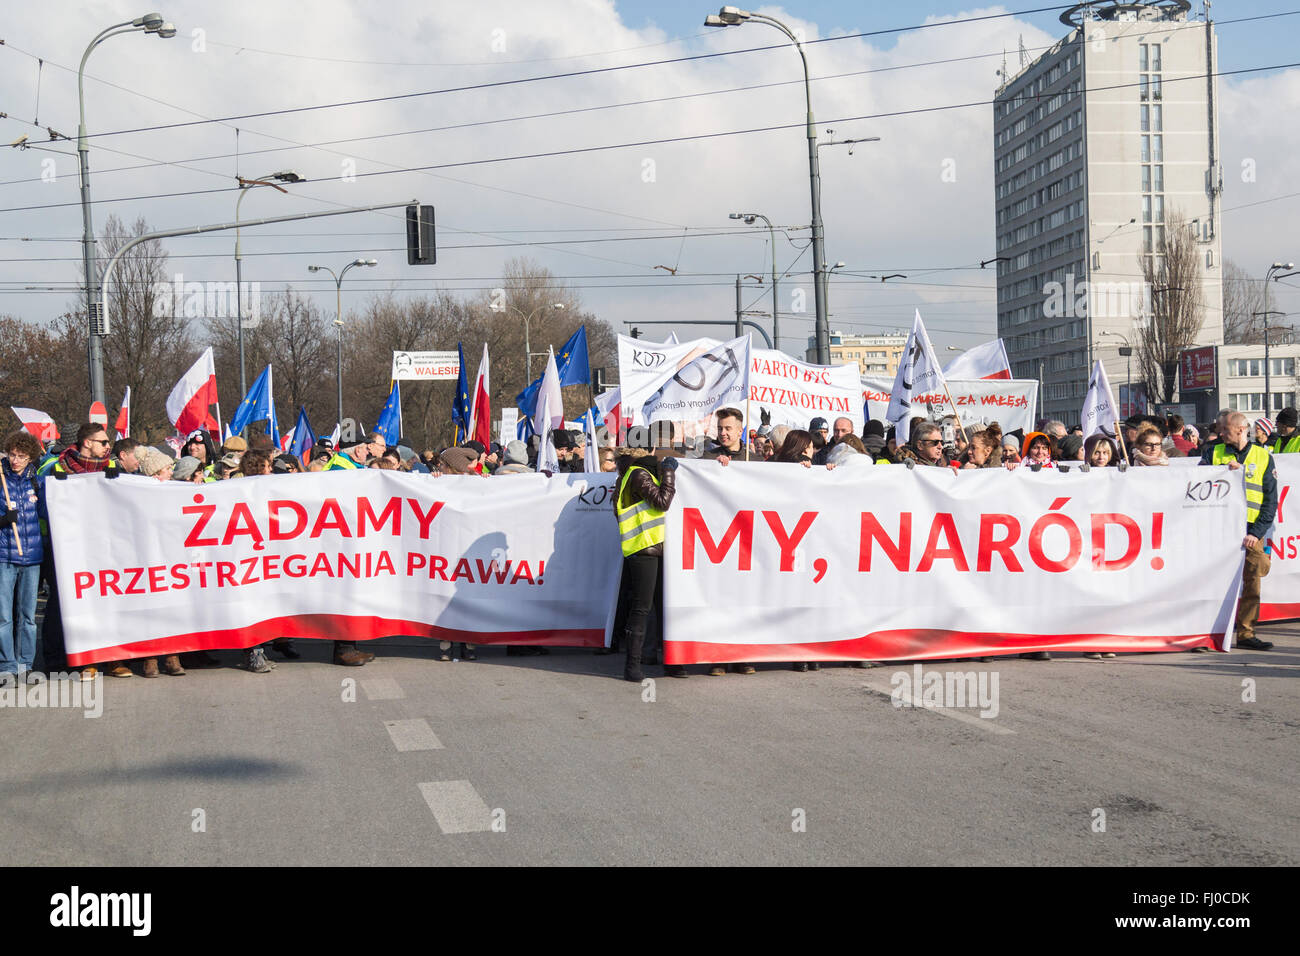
[1126,352]
[338,320]
[749,218]
[245,185]
[1275,267]
[528,350]
[734,16]
[98,323]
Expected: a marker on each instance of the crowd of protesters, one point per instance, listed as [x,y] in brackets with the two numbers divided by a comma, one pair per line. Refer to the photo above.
[644,493]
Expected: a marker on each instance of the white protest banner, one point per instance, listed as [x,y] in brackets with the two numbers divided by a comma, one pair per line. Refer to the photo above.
[946,564]
[785,391]
[1011,403]
[1279,591]
[782,389]
[427,366]
[348,555]
[707,379]
[509,425]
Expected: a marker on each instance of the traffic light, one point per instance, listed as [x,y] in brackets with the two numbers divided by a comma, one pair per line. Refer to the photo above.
[421,248]
[599,380]
[636,333]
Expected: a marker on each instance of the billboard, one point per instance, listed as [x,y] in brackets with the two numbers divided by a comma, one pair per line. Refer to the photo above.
[1198,369]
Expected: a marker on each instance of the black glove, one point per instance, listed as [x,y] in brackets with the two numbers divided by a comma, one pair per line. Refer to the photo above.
[669,463]
[7,519]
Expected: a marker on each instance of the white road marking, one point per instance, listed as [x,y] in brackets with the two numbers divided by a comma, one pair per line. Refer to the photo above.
[983,723]
[457,806]
[382,688]
[412,734]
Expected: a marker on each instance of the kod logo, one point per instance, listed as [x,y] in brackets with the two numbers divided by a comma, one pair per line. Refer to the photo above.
[648,359]
[1215,490]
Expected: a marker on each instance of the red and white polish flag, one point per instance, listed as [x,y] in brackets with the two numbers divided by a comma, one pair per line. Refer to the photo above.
[123,424]
[983,361]
[480,419]
[37,422]
[187,405]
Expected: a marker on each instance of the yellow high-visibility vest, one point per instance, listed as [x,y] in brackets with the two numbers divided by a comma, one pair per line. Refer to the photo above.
[1256,463]
[640,525]
[340,462]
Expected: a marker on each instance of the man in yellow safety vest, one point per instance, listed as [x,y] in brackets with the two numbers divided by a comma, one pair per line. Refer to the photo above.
[1237,451]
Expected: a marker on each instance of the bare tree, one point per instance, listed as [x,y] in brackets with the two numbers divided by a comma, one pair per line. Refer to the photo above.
[148,337]
[1176,315]
[1243,299]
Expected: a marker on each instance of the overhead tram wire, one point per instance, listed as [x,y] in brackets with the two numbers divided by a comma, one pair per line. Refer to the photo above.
[548,154]
[294,144]
[497,84]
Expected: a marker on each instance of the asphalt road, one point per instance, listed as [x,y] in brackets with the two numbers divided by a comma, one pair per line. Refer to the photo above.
[556,760]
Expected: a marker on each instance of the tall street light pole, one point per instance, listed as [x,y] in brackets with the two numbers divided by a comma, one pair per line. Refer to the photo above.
[97,323]
[338,321]
[528,348]
[1275,267]
[246,185]
[749,218]
[734,16]
[1125,351]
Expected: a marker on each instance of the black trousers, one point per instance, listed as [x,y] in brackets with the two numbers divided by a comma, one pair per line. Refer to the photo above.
[643,577]
[55,653]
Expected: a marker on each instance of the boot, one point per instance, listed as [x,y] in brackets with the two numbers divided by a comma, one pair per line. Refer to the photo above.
[150,667]
[351,657]
[172,665]
[632,665]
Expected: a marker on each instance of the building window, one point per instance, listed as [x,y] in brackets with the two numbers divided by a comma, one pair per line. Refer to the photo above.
[1246,402]
[1146,149]
[1281,366]
[1143,57]
[1155,87]
[1146,211]
[1158,148]
[1146,117]
[1146,179]
[1159,212]
[1144,88]
[1158,179]
[1157,117]
[1155,57]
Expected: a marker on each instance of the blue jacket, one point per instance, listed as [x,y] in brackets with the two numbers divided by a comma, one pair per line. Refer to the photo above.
[28,504]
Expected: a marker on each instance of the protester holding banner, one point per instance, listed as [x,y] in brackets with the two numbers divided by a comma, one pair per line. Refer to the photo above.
[645,492]
[926,447]
[125,454]
[797,448]
[21,552]
[1237,452]
[728,444]
[1286,439]
[1149,449]
[1100,452]
[985,449]
[87,456]
[1040,450]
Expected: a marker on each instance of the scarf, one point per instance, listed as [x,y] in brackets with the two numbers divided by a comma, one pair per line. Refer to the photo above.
[1141,458]
[79,464]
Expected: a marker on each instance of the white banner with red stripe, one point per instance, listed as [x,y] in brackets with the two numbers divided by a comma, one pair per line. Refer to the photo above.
[344,555]
[1279,591]
[1009,402]
[775,562]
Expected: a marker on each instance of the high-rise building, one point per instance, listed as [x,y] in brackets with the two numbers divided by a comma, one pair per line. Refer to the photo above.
[874,354]
[1099,143]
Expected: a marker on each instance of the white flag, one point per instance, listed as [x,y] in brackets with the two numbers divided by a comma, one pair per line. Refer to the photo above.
[592,457]
[1099,414]
[983,361]
[713,378]
[549,415]
[918,382]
